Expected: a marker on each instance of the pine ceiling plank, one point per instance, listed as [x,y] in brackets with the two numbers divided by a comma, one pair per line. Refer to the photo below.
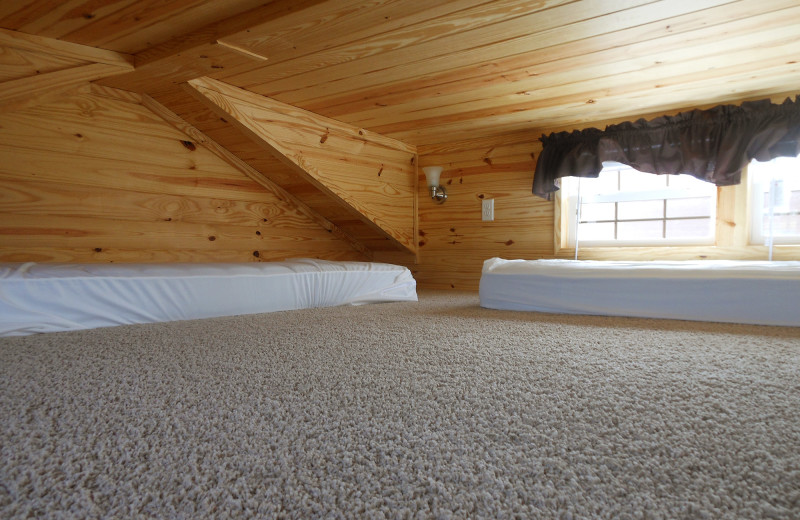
[488,55]
[377,26]
[222,28]
[478,45]
[196,53]
[480,25]
[592,89]
[145,23]
[54,19]
[648,101]
[108,30]
[656,37]
[392,215]
[603,70]
[300,33]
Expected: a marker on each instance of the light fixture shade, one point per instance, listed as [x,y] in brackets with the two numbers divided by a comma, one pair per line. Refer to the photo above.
[432,174]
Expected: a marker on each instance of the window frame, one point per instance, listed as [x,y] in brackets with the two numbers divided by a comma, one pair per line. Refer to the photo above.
[732,235]
[570,187]
[757,191]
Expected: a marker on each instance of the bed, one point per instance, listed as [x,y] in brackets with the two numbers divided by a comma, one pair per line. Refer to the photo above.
[764,293]
[59,297]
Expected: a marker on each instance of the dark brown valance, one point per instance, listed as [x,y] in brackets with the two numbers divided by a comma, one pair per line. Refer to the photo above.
[713,145]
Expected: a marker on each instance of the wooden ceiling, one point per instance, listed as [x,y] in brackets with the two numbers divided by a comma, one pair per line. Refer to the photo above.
[437,70]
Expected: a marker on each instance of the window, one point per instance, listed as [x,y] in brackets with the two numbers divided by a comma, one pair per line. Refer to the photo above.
[775,201]
[627,207]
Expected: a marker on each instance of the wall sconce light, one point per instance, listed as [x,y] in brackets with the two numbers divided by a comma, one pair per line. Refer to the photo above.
[432,174]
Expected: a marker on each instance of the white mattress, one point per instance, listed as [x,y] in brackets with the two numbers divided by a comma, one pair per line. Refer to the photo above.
[59,297]
[766,293]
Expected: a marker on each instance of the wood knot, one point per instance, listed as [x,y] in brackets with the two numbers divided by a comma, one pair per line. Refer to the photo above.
[189,145]
[256,254]
[212,238]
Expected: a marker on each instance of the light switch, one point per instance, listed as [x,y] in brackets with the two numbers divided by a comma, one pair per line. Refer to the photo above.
[488,209]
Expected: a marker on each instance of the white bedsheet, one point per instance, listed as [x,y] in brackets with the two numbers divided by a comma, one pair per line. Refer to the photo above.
[59,297]
[766,293]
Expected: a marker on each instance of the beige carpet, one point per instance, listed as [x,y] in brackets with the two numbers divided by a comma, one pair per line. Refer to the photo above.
[439,409]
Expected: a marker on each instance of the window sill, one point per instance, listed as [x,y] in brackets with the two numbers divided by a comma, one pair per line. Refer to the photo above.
[780,252]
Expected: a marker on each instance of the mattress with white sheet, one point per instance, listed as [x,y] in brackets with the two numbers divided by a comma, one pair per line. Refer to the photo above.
[60,297]
[732,291]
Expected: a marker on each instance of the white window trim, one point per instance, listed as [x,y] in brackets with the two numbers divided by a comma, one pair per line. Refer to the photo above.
[733,235]
[570,185]
[757,190]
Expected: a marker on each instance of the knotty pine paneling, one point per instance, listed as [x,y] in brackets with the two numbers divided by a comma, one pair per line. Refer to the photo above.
[94,179]
[453,240]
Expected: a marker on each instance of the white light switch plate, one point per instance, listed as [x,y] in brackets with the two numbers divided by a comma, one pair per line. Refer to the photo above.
[487,209]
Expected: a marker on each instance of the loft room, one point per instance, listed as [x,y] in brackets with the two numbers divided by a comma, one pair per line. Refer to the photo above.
[254,131]
[137,165]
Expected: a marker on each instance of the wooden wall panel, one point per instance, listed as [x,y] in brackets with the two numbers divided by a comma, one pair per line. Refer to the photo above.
[453,240]
[94,179]
[369,173]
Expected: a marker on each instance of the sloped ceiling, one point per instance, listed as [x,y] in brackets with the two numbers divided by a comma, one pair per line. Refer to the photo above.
[427,72]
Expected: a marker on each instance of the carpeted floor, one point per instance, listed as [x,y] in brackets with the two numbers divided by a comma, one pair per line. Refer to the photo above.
[436,409]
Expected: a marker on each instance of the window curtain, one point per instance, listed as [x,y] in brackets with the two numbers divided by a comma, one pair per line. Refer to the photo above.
[713,145]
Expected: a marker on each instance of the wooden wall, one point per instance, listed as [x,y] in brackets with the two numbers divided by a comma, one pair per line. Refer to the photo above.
[92,178]
[453,239]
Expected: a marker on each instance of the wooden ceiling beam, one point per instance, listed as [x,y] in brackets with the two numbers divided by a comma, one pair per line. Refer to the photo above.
[203,52]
